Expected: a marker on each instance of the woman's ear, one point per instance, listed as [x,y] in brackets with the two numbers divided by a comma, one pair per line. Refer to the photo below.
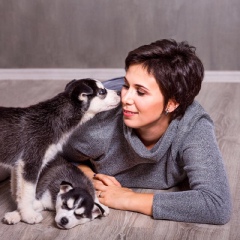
[171,106]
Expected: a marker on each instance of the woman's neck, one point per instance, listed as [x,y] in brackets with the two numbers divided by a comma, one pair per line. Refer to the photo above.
[150,135]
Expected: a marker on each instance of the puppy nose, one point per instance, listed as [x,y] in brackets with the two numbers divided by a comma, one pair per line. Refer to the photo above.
[119,93]
[64,221]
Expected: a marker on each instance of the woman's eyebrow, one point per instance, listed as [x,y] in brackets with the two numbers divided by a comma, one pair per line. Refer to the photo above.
[141,86]
[136,85]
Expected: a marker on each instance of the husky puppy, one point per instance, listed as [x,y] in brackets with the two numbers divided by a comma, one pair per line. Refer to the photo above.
[64,188]
[32,137]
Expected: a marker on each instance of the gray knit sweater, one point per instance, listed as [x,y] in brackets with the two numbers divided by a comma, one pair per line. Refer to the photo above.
[188,149]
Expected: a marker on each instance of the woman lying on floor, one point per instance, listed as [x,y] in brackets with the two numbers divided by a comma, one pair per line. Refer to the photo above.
[156,139]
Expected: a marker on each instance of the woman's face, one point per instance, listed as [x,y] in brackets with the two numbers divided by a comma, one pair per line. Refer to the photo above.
[142,100]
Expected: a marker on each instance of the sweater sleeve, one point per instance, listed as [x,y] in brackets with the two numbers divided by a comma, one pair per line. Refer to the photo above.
[208,200]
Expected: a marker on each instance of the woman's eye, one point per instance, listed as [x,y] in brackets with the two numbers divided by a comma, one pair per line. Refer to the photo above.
[140,92]
[125,86]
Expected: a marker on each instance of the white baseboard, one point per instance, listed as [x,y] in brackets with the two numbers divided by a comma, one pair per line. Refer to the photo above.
[60,74]
[222,76]
[97,73]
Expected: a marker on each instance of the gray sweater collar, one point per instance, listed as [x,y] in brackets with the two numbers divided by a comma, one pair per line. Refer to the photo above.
[176,132]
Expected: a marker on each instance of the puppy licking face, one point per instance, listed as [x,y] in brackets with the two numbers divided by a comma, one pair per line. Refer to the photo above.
[93,97]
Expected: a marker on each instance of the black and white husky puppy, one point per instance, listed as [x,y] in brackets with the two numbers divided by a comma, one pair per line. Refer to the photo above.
[31,137]
[64,188]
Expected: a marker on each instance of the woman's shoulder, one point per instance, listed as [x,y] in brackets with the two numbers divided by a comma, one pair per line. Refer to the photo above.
[94,136]
[195,125]
[194,114]
[114,84]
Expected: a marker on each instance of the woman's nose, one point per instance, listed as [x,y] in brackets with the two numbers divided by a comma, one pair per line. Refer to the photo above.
[127,97]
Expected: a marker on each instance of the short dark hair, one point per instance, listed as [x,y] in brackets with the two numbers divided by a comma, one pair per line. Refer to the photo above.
[175,66]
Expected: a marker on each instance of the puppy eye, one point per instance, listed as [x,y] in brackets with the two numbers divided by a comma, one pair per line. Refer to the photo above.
[82,215]
[102,91]
[65,206]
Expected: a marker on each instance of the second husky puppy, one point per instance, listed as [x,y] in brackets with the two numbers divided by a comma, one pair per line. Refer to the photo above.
[63,187]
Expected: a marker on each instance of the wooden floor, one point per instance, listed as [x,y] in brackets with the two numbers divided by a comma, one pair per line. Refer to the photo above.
[221,100]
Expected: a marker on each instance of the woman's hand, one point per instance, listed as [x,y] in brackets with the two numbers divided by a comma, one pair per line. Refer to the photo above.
[111,194]
[96,178]
[105,180]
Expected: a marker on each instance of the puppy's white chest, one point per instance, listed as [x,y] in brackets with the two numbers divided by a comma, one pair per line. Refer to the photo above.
[55,148]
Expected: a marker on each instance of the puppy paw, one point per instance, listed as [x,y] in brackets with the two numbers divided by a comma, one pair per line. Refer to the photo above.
[12,217]
[31,217]
[100,210]
[106,210]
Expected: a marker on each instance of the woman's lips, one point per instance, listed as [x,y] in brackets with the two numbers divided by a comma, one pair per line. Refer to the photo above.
[127,113]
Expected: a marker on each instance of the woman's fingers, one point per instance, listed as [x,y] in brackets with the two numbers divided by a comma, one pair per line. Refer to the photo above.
[107,180]
[98,184]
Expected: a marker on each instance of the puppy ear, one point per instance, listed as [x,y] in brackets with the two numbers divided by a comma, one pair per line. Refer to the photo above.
[68,86]
[85,91]
[97,211]
[78,90]
[65,187]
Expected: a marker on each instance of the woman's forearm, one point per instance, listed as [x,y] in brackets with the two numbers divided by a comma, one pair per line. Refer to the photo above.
[86,170]
[141,202]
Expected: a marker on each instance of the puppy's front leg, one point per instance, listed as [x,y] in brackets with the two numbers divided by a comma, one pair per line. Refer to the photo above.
[25,195]
[13,217]
[25,205]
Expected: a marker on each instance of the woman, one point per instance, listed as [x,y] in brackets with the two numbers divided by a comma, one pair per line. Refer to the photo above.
[158,138]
